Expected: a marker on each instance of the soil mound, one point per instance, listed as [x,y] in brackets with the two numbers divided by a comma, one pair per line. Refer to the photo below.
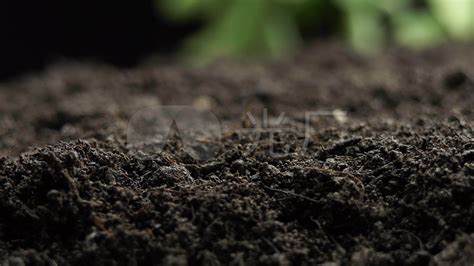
[382,173]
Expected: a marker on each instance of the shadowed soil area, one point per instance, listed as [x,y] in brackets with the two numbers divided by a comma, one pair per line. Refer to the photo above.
[387,178]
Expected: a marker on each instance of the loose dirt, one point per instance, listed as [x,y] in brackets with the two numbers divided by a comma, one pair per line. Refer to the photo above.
[384,177]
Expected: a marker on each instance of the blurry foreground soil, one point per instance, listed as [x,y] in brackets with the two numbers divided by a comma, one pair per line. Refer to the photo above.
[388,180]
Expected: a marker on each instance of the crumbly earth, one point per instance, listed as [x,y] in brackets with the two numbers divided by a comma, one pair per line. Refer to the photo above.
[387,180]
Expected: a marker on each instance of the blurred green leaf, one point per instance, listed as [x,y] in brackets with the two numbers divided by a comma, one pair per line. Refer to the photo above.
[185,9]
[363,25]
[366,33]
[457,16]
[392,7]
[246,28]
[179,9]
[417,29]
[280,32]
[236,32]
[271,27]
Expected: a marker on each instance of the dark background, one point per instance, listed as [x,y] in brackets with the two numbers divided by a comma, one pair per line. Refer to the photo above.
[34,33]
[118,32]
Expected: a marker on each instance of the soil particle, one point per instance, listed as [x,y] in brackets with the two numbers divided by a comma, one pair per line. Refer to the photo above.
[460,252]
[456,80]
[468,155]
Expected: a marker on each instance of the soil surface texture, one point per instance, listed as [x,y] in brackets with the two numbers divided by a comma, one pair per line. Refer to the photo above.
[327,157]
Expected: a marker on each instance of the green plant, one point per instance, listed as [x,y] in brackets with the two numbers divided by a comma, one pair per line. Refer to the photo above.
[410,26]
[271,27]
[456,16]
[238,27]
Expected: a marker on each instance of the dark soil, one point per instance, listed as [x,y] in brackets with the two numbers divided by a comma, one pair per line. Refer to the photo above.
[390,183]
